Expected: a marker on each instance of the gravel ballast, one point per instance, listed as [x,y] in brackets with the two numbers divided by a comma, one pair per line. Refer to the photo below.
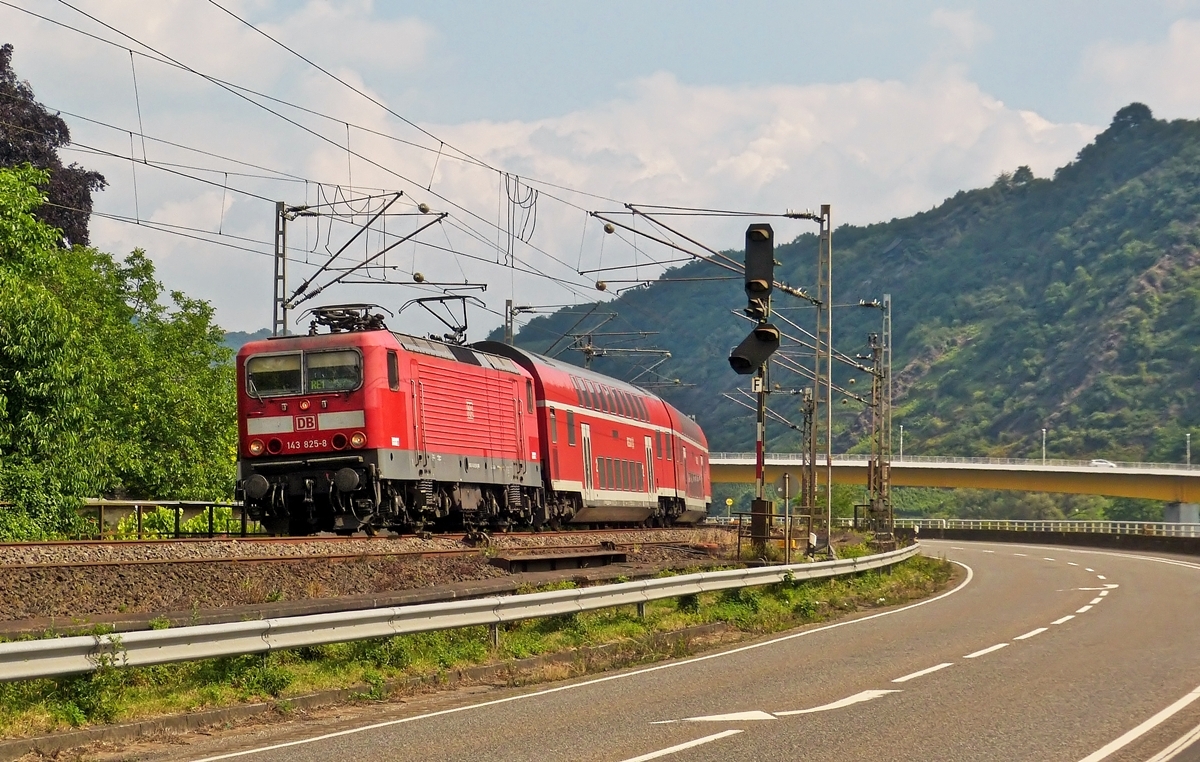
[144,584]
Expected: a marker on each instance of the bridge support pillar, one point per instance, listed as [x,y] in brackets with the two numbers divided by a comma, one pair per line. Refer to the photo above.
[1182,513]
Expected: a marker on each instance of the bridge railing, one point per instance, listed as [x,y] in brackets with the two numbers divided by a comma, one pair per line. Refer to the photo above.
[1054,462]
[1142,528]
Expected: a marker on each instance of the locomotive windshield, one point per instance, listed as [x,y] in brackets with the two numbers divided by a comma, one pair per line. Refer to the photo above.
[334,371]
[272,375]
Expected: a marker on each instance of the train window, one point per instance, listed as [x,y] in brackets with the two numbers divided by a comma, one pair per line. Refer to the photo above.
[658,445]
[553,427]
[626,405]
[339,371]
[642,409]
[641,484]
[272,375]
[607,475]
[571,428]
[393,370]
[529,395]
[668,447]
[620,400]
[626,477]
[609,400]
[578,391]
[600,473]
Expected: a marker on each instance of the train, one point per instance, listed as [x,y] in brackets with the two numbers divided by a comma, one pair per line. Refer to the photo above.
[354,427]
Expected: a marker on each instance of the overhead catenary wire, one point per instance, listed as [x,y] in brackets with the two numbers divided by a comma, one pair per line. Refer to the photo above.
[463,224]
[240,91]
[293,122]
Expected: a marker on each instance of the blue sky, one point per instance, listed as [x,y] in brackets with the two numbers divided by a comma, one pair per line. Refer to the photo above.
[881,109]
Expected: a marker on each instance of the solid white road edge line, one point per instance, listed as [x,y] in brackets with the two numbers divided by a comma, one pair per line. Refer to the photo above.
[922,672]
[987,650]
[1066,618]
[683,746]
[1031,633]
[1178,747]
[1131,736]
[594,681]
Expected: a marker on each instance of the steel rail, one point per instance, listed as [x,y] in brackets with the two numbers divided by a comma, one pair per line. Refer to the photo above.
[317,539]
[407,555]
[56,657]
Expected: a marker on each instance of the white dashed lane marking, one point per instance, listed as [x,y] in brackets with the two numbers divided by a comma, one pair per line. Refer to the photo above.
[1083,610]
[987,650]
[683,746]
[1101,576]
[1066,618]
[1031,633]
[925,671]
[1094,601]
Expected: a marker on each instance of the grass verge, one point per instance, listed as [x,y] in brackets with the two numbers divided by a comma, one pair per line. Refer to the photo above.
[114,694]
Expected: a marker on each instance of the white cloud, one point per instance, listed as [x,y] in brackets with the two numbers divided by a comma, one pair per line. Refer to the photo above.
[350,34]
[872,148]
[965,30]
[1161,74]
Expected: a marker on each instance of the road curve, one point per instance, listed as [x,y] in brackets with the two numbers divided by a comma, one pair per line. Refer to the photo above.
[1042,653]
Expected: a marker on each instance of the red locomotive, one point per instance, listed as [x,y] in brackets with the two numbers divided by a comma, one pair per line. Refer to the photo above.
[362,428]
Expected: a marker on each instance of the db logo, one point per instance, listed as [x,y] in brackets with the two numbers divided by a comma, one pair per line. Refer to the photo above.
[306,422]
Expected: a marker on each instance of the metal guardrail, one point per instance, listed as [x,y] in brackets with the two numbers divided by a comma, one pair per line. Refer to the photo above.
[851,458]
[1140,528]
[66,656]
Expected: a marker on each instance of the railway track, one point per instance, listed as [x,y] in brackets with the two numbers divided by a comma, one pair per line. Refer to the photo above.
[93,553]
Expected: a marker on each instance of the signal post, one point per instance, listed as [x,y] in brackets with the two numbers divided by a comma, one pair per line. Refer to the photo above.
[751,356]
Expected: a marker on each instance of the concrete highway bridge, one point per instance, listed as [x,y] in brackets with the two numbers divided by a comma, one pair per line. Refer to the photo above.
[1157,481]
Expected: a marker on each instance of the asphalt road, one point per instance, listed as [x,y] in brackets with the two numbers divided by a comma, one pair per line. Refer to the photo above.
[1042,653]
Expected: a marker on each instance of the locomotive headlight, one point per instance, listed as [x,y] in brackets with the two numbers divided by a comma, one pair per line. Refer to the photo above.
[358,439]
[257,447]
[304,404]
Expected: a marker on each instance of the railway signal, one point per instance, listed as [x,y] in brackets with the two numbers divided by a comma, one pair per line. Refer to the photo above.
[763,340]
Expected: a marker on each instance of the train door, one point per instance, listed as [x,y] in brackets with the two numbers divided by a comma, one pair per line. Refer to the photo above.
[421,457]
[686,486]
[651,487]
[520,428]
[585,434]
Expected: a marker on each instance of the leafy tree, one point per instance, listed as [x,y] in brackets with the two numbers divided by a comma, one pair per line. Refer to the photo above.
[30,134]
[103,390]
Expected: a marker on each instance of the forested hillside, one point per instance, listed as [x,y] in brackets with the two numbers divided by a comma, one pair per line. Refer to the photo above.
[1070,303]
